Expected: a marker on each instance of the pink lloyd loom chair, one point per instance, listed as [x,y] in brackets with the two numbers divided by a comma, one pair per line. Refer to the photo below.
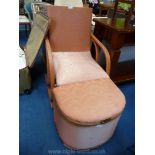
[87,104]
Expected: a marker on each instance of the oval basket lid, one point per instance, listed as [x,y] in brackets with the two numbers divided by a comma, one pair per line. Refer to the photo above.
[90,103]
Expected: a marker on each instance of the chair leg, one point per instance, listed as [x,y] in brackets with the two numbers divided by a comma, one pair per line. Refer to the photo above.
[51,102]
[47,80]
[50,96]
[49,92]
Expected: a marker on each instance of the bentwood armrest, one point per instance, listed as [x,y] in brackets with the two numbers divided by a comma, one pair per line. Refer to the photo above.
[50,65]
[97,44]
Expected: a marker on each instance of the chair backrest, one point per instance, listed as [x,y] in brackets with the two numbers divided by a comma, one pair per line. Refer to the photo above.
[69,29]
[127,5]
[110,14]
[74,3]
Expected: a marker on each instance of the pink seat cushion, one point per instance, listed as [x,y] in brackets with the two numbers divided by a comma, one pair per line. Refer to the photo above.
[90,102]
[71,67]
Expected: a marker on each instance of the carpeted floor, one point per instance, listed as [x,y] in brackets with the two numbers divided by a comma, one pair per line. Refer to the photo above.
[38,135]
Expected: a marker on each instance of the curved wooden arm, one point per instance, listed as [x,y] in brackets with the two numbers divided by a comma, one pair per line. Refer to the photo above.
[97,44]
[50,66]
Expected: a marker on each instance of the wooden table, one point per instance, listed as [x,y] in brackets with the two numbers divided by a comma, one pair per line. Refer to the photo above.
[116,36]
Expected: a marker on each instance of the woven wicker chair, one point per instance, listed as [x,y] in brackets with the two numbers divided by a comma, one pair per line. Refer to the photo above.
[87,104]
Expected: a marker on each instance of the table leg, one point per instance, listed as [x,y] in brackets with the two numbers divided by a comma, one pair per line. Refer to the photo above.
[114,56]
[121,71]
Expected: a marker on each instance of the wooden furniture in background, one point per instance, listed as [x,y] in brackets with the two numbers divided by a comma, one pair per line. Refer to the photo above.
[128,13]
[105,6]
[116,37]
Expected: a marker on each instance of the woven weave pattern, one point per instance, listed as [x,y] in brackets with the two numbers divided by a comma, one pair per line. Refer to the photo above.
[71,67]
[90,102]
